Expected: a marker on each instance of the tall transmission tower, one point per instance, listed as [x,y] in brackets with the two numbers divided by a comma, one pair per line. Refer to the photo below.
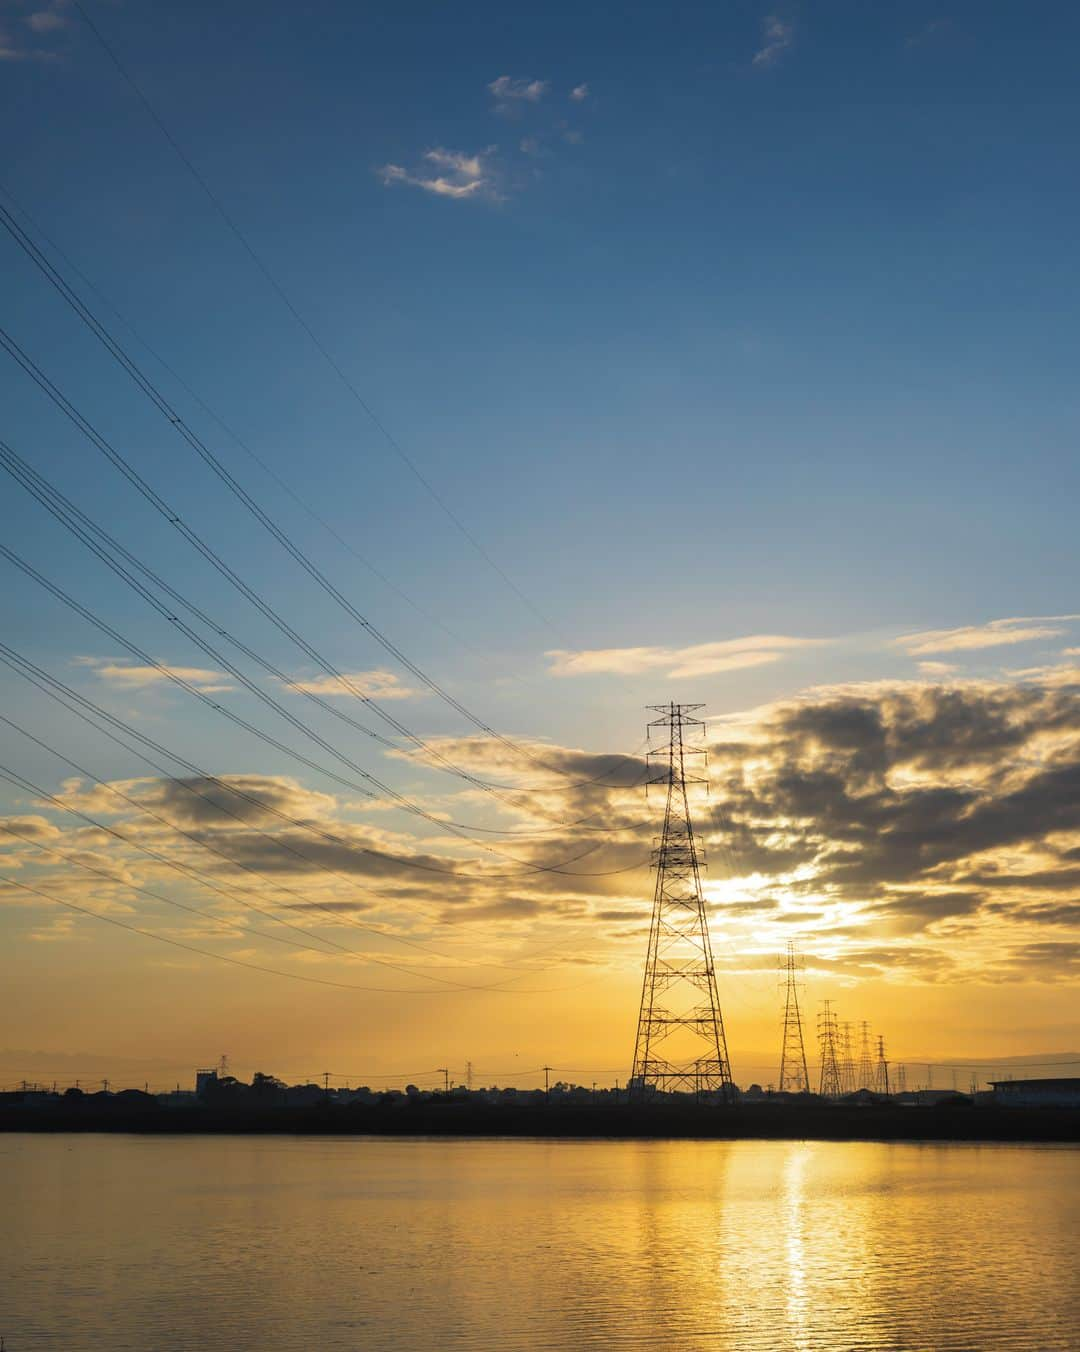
[830,1085]
[681,1044]
[866,1065]
[794,1076]
[847,1064]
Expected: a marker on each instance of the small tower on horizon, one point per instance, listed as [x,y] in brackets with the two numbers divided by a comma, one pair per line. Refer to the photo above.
[881,1070]
[847,1065]
[830,1085]
[865,1074]
[794,1076]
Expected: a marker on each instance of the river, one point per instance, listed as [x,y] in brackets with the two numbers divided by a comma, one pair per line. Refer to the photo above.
[149,1244]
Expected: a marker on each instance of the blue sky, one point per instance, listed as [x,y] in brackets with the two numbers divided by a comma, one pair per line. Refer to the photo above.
[709,322]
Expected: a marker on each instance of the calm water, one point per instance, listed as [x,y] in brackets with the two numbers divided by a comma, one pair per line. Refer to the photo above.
[114,1242]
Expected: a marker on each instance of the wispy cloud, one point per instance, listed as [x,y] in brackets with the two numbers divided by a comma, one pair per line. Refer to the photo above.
[579,93]
[778,35]
[128,676]
[521,91]
[937,668]
[377,684]
[699,659]
[42,22]
[464,176]
[46,21]
[995,634]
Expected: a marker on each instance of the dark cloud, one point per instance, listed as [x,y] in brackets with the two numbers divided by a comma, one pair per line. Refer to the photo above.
[893,812]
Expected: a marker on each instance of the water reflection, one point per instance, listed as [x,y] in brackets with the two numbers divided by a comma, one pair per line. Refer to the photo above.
[795,1243]
[361,1245]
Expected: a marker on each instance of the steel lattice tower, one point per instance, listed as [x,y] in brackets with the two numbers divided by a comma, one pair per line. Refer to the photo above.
[866,1065]
[681,1044]
[794,1076]
[830,1086]
[881,1071]
[847,1064]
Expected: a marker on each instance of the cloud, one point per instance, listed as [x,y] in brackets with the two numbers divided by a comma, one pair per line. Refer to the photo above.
[28,828]
[995,634]
[700,659]
[937,668]
[912,831]
[778,37]
[377,684]
[466,176]
[579,93]
[45,21]
[527,91]
[10,50]
[128,676]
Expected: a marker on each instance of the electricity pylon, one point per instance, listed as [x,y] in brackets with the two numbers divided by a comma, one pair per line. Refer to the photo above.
[830,1086]
[866,1066]
[794,1076]
[681,1044]
[847,1065]
[881,1074]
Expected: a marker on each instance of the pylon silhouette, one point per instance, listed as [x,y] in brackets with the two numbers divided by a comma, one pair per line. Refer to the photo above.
[679,963]
[865,1074]
[829,1086]
[794,1076]
[847,1065]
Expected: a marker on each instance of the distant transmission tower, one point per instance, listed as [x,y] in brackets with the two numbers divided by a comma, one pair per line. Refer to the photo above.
[830,1086]
[865,1074]
[901,1079]
[681,1043]
[794,1077]
[847,1065]
[881,1072]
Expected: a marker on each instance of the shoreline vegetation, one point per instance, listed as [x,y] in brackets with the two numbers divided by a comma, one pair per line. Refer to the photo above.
[810,1120]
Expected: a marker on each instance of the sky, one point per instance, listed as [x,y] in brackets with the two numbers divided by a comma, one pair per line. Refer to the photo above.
[720,355]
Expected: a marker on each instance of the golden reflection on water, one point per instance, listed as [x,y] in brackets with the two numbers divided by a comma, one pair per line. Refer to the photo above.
[381,1245]
[795,1284]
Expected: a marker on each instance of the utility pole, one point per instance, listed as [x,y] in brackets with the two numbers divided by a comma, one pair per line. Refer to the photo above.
[829,1085]
[468,1076]
[679,1000]
[794,1076]
[445,1078]
[326,1084]
[547,1087]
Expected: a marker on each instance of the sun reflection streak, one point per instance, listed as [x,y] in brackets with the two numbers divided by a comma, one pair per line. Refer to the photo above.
[795,1276]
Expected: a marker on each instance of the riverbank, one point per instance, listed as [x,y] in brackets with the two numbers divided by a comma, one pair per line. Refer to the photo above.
[812,1121]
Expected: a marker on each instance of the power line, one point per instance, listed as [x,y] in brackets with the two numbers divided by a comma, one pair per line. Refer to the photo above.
[258,967]
[86,710]
[100,543]
[58,592]
[20,781]
[343,541]
[224,890]
[320,347]
[151,391]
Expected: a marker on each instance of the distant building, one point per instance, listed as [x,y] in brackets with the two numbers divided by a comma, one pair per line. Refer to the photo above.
[205,1079]
[1037,1093]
